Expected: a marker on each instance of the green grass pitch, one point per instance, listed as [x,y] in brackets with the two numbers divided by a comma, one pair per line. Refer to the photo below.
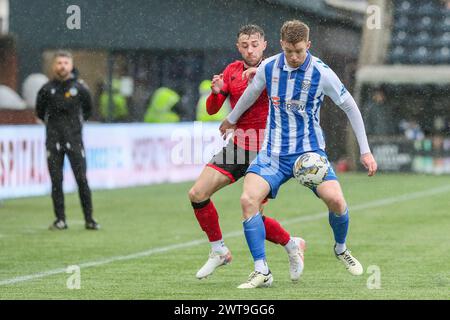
[150,245]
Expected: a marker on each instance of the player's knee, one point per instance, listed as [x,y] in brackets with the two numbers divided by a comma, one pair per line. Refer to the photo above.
[248,203]
[337,204]
[196,195]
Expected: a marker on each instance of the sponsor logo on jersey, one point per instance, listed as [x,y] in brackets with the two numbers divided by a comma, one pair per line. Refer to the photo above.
[295,105]
[275,101]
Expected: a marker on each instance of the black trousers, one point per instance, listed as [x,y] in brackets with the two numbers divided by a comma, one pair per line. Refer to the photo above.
[74,150]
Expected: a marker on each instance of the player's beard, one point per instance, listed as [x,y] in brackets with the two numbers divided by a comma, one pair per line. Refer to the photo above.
[252,65]
[62,74]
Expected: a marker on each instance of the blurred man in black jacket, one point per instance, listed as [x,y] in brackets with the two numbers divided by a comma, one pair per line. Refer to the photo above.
[63,104]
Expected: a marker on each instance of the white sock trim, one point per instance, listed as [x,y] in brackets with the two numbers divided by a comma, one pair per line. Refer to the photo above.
[219,246]
[261,266]
[291,246]
[340,247]
[248,219]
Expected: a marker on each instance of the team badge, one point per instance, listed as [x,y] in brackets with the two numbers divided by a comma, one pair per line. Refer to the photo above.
[306,84]
[53,91]
[73,92]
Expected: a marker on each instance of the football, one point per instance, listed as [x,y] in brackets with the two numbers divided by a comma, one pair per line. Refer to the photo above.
[310,169]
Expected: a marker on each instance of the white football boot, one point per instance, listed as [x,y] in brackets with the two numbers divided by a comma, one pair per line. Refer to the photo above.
[351,264]
[214,261]
[296,259]
[257,280]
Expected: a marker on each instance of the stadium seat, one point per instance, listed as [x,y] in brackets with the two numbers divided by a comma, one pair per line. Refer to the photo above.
[404,7]
[442,55]
[397,55]
[443,25]
[428,8]
[423,38]
[420,56]
[399,38]
[425,23]
[443,40]
[401,23]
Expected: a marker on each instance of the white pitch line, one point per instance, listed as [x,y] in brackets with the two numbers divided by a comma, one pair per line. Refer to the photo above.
[373,204]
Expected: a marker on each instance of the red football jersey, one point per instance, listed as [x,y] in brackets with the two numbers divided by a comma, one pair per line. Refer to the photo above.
[253,122]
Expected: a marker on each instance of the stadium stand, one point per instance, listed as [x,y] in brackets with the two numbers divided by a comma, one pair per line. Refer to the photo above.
[421,32]
[407,59]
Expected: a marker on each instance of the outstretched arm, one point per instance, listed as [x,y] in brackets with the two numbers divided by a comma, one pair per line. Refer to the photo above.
[354,115]
[335,89]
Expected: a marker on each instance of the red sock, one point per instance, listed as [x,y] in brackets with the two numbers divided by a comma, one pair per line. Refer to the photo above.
[275,232]
[208,219]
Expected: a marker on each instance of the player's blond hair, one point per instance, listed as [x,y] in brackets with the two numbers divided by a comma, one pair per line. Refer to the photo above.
[294,31]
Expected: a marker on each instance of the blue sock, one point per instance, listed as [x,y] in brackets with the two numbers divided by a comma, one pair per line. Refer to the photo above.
[255,234]
[339,224]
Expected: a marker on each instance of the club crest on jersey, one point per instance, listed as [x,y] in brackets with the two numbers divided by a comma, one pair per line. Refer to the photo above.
[73,92]
[306,84]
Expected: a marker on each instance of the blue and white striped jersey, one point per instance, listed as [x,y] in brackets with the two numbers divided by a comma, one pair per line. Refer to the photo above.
[296,95]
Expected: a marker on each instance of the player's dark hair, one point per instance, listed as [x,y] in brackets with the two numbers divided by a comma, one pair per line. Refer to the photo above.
[62,53]
[250,29]
[294,31]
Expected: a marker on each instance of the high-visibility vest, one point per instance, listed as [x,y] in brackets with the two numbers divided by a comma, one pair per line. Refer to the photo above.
[160,106]
[120,108]
[202,114]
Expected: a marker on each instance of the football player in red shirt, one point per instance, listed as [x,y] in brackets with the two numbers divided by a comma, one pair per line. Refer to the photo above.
[231,163]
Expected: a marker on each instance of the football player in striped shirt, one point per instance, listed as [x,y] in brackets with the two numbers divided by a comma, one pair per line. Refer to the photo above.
[296,83]
[231,163]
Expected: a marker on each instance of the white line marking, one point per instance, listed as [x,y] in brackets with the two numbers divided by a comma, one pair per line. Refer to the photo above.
[369,205]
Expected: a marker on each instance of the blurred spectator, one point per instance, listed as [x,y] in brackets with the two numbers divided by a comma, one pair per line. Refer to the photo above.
[411,129]
[161,104]
[9,99]
[440,125]
[202,114]
[31,86]
[379,116]
[119,101]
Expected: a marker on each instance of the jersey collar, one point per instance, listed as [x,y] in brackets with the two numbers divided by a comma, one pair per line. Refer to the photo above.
[282,62]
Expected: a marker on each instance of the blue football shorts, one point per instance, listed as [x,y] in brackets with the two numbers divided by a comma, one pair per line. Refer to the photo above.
[276,170]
